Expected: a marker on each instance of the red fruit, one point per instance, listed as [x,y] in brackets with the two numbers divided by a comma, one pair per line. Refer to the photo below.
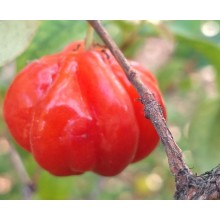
[76,111]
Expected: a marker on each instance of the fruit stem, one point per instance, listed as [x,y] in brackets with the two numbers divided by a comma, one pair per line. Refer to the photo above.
[89,37]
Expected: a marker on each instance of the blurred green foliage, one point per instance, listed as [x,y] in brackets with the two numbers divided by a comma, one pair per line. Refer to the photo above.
[189,79]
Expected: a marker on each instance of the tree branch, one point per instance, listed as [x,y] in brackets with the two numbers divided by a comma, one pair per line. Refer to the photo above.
[188,185]
[28,187]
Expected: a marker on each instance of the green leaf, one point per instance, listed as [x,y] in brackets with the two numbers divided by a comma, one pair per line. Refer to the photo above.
[189,33]
[15,36]
[190,29]
[209,50]
[52,37]
[204,135]
[193,29]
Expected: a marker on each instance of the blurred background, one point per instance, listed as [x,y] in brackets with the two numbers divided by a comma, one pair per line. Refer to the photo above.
[185,58]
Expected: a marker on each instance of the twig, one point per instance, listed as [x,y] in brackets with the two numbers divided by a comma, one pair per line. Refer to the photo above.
[28,186]
[89,37]
[152,109]
[188,185]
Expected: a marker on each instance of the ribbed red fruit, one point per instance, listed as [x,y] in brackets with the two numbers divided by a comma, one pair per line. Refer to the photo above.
[75,111]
